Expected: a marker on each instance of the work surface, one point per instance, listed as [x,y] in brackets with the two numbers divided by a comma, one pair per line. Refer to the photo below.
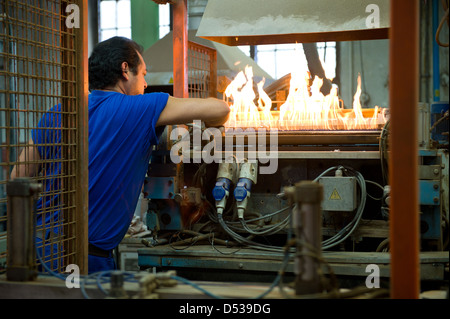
[432,264]
[48,287]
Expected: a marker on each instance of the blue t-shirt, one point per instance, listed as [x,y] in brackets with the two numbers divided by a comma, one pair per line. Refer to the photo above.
[122,132]
[47,138]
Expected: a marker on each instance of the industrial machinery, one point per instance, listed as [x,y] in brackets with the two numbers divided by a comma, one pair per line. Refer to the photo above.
[225,202]
[214,204]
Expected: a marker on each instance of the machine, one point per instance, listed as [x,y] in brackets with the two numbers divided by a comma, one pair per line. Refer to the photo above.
[226,204]
[227,216]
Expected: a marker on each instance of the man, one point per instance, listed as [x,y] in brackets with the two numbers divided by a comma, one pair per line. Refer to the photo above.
[124,125]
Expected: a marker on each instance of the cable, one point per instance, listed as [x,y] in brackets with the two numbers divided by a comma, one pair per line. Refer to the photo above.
[84,279]
[194,285]
[274,284]
[346,231]
[383,246]
[376,184]
[47,268]
[338,238]
[383,147]
[441,24]
[264,231]
[267,215]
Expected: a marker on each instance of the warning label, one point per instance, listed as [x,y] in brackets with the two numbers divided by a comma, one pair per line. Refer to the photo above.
[335,195]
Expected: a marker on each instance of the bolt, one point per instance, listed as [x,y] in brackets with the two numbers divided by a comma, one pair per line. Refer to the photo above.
[436,171]
[435,199]
[435,186]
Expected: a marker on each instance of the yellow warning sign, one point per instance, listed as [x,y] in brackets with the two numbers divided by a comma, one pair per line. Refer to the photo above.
[335,195]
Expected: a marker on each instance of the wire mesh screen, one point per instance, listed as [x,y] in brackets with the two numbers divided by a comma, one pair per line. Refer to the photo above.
[202,71]
[39,120]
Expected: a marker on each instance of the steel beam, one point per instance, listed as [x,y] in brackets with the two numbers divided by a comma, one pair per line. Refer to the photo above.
[180,49]
[403,162]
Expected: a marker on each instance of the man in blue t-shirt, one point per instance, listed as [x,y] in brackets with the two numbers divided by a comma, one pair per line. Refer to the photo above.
[124,125]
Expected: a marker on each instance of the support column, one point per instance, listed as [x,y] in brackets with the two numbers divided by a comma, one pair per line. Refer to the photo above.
[180,49]
[403,160]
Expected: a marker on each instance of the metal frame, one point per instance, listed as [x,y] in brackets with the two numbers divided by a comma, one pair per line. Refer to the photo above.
[49,66]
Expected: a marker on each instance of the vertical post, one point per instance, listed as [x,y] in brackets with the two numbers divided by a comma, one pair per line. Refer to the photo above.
[436,62]
[180,49]
[21,265]
[403,172]
[213,74]
[307,225]
[82,140]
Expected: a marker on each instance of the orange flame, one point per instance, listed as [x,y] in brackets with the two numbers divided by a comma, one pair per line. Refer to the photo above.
[305,108]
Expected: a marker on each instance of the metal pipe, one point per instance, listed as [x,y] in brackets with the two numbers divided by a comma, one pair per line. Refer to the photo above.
[82,202]
[436,74]
[403,172]
[180,49]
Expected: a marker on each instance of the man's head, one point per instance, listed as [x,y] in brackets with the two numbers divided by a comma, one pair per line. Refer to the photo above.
[117,60]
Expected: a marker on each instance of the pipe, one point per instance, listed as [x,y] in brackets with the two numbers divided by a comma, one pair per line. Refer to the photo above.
[180,49]
[82,197]
[436,62]
[403,162]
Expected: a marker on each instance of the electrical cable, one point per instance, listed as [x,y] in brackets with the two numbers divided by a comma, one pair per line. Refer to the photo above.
[349,228]
[268,230]
[338,238]
[265,216]
[244,240]
[99,280]
[346,231]
[441,24]
[376,184]
[83,279]
[383,148]
[274,284]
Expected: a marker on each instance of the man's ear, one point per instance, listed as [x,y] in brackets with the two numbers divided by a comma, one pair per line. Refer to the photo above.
[125,70]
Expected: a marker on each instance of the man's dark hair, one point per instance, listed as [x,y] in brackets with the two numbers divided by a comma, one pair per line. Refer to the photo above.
[106,59]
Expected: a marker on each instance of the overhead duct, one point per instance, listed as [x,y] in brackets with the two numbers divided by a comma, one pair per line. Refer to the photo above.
[230,60]
[236,22]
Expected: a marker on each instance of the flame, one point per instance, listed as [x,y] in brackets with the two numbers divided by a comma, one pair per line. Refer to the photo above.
[305,108]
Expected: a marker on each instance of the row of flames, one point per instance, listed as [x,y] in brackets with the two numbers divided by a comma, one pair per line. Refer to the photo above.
[305,108]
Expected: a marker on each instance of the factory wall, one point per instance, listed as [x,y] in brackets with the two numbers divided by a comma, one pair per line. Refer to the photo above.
[371,60]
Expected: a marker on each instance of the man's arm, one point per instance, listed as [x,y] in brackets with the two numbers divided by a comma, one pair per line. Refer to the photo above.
[30,155]
[211,111]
